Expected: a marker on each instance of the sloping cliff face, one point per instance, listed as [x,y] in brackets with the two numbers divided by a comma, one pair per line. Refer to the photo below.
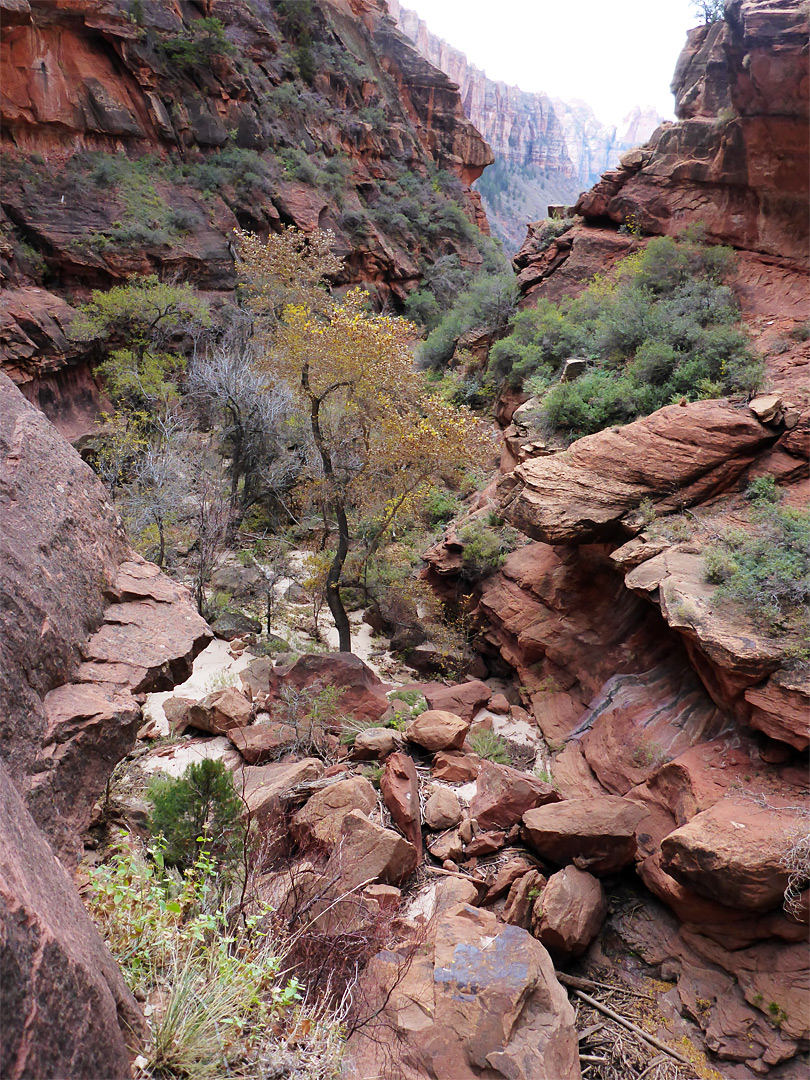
[645,683]
[737,160]
[136,137]
[546,150]
[86,628]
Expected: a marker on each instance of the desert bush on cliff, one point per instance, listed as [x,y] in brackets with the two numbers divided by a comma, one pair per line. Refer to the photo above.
[765,565]
[485,549]
[485,305]
[661,328]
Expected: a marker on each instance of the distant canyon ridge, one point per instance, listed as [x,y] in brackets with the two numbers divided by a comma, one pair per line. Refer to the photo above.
[546,150]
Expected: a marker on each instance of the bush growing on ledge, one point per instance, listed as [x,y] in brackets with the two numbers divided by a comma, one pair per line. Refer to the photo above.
[485,549]
[662,328]
[766,566]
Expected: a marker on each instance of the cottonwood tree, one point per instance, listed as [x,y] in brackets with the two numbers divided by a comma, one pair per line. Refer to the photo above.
[378,434]
[158,481]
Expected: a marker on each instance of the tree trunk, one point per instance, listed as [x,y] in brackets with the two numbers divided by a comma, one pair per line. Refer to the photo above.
[336,569]
[162,551]
[333,598]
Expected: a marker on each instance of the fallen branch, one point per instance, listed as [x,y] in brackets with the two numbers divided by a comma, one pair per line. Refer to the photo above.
[577,982]
[593,1059]
[630,1026]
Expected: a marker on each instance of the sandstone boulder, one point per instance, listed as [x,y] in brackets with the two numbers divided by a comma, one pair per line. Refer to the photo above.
[595,834]
[503,795]
[400,791]
[437,730]
[362,693]
[484,843]
[447,845]
[262,742]
[455,767]
[367,852]
[264,786]
[442,809]
[734,853]
[523,895]
[464,699]
[257,678]
[482,1000]
[573,907]
[375,744]
[234,625]
[217,713]
[320,820]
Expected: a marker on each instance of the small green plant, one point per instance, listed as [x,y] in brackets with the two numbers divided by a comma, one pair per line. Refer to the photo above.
[220,1000]
[485,549]
[491,747]
[545,775]
[373,773]
[766,565]
[198,810]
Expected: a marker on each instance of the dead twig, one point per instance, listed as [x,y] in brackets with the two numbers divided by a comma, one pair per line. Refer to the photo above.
[630,1026]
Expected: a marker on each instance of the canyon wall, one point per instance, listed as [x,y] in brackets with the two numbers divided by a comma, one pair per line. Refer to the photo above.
[546,150]
[645,683]
[87,627]
[135,141]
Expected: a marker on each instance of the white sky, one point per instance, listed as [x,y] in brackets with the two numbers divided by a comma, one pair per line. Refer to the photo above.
[613,54]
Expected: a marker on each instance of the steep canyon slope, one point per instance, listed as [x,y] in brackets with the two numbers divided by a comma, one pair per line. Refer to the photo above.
[644,681]
[546,150]
[136,138]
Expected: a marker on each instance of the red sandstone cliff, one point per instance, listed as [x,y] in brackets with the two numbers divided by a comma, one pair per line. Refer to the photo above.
[135,143]
[644,683]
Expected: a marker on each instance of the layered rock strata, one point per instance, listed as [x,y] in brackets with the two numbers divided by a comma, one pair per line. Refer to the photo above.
[136,142]
[735,164]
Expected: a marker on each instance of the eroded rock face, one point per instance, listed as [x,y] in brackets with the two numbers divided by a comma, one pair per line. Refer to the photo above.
[738,157]
[85,625]
[480,999]
[698,450]
[66,1009]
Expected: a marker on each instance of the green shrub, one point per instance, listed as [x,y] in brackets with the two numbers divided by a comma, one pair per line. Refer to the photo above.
[491,747]
[198,44]
[200,803]
[486,304]
[660,329]
[440,506]
[485,549]
[765,566]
